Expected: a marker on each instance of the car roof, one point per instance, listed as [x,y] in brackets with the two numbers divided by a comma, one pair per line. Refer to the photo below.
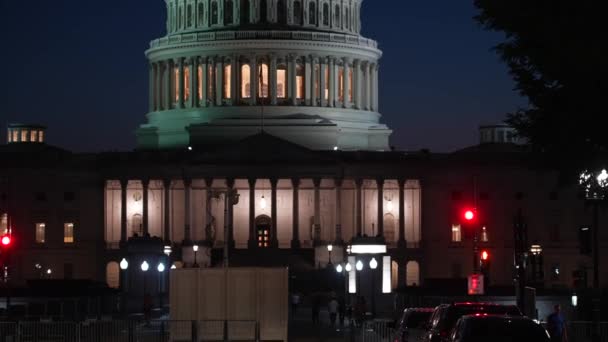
[419,309]
[480,304]
[495,317]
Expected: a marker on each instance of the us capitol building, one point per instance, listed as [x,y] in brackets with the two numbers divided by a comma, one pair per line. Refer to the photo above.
[264,137]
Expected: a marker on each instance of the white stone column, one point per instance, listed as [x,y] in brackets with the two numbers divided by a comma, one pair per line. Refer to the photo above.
[322,81]
[168,84]
[380,189]
[338,233]
[272,79]
[124,183]
[295,233]
[211,81]
[146,185]
[253,85]
[234,85]
[167,210]
[309,81]
[346,80]
[358,209]
[193,70]
[317,211]
[368,87]
[375,87]
[291,80]
[219,81]
[332,82]
[188,216]
[151,83]
[357,84]
[203,82]
[180,82]
[159,86]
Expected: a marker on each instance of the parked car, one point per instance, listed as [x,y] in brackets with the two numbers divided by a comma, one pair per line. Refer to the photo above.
[412,325]
[483,327]
[445,317]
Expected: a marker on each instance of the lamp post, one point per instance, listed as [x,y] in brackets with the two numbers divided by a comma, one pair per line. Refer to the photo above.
[373,265]
[595,185]
[195,249]
[124,265]
[329,249]
[144,268]
[161,269]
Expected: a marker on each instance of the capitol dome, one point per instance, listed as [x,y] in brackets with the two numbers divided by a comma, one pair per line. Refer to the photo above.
[296,69]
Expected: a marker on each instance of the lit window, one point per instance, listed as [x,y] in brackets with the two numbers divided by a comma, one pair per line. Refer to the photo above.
[299,81]
[186,83]
[200,83]
[245,81]
[227,80]
[176,83]
[3,224]
[341,84]
[281,82]
[40,230]
[484,234]
[456,233]
[263,82]
[15,136]
[34,136]
[10,137]
[68,233]
[40,136]
[23,136]
[326,84]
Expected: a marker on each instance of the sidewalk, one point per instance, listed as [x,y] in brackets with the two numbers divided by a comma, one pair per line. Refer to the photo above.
[301,328]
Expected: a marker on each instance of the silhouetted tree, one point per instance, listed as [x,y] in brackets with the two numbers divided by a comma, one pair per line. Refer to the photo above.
[556,53]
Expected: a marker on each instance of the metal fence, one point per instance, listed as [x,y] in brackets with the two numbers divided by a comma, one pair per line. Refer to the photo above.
[376,331]
[130,331]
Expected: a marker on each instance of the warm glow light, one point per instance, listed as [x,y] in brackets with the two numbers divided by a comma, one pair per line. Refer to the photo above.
[348,267]
[124,264]
[195,248]
[368,249]
[536,249]
[469,215]
[373,264]
[389,206]
[484,255]
[161,267]
[330,248]
[263,202]
[145,266]
[167,250]
[359,265]
[6,240]
[173,267]
[339,268]
[574,300]
[49,271]
[602,179]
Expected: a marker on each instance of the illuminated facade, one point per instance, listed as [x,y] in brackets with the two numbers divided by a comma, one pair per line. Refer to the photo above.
[300,66]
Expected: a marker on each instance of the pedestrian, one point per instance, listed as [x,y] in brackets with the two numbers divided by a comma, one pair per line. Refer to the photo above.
[295,301]
[556,325]
[333,310]
[316,307]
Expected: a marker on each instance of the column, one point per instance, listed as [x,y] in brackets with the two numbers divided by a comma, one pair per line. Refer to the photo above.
[275,241]
[234,80]
[187,218]
[253,84]
[252,242]
[203,82]
[317,211]
[229,224]
[211,81]
[123,210]
[346,80]
[291,80]
[219,81]
[193,83]
[401,243]
[375,87]
[357,84]
[208,216]
[323,81]
[295,239]
[146,185]
[338,183]
[380,185]
[311,81]
[159,86]
[332,82]
[272,79]
[168,83]
[359,185]
[368,86]
[180,82]
[167,210]
[151,81]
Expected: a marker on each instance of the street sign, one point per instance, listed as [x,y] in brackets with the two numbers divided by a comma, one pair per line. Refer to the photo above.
[476,286]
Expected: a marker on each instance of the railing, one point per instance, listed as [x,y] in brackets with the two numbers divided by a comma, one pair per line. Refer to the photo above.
[236,35]
[376,331]
[130,331]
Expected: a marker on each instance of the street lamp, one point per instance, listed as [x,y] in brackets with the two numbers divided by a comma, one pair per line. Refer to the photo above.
[124,265]
[339,268]
[195,249]
[348,267]
[359,265]
[329,249]
[144,267]
[373,264]
[167,250]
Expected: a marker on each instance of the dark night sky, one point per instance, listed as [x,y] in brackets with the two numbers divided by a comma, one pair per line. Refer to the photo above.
[78,67]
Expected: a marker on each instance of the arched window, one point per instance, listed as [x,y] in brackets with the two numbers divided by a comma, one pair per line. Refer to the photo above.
[4,222]
[281,12]
[189,16]
[297,13]
[245,81]
[389,228]
[136,225]
[326,14]
[213,14]
[412,274]
[228,12]
[347,18]
[281,81]
[179,18]
[263,80]
[312,13]
[211,82]
[263,11]
[201,15]
[300,81]
[263,224]
[186,83]
[176,81]
[337,17]
[394,275]
[341,83]
[244,11]
[113,275]
[200,82]
[227,80]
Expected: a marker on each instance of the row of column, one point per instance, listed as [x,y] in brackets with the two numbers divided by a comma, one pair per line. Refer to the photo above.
[191,82]
[273,183]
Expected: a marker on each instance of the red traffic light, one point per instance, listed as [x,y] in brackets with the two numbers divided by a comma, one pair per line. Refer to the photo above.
[469,215]
[6,240]
[485,255]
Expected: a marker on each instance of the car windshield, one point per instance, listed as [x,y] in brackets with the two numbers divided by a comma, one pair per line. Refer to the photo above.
[504,330]
[417,319]
[455,312]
